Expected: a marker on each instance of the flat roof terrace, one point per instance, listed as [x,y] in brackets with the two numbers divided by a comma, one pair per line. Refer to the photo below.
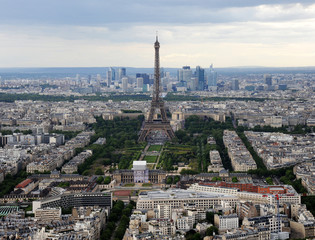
[180,194]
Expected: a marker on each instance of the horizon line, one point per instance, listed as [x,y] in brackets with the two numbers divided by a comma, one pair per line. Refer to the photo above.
[163,67]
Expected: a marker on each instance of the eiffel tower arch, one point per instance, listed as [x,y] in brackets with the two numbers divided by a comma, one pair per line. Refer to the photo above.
[157,103]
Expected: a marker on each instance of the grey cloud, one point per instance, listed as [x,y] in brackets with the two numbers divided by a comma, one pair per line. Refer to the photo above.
[101,13]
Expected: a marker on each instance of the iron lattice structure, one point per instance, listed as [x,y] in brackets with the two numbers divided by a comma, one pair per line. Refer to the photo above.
[157,103]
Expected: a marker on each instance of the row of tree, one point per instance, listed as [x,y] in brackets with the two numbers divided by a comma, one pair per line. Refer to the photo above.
[7,97]
[176,97]
[102,180]
[195,134]
[68,134]
[119,215]
[259,161]
[10,182]
[120,133]
[310,203]
[298,129]
[172,179]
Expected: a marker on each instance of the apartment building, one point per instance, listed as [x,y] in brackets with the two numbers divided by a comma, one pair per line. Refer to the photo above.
[226,222]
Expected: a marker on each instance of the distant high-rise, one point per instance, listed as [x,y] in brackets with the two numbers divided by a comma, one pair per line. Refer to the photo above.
[89,78]
[121,73]
[110,76]
[140,82]
[78,80]
[184,75]
[212,77]
[268,79]
[113,74]
[282,87]
[124,84]
[162,73]
[200,75]
[146,77]
[235,85]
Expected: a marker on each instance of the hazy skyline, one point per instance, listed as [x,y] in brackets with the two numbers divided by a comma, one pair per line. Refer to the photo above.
[77,33]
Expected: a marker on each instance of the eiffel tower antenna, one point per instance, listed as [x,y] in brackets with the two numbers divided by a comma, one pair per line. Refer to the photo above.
[157,103]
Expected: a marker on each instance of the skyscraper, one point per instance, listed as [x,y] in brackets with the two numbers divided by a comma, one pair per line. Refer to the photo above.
[235,85]
[77,77]
[113,74]
[162,73]
[78,80]
[212,78]
[89,77]
[146,78]
[200,75]
[121,73]
[124,84]
[268,79]
[109,77]
[184,75]
[139,82]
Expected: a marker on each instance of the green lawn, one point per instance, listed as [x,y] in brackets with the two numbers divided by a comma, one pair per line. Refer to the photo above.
[139,147]
[150,159]
[178,149]
[155,148]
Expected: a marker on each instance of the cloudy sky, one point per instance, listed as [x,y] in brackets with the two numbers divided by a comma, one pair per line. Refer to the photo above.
[97,33]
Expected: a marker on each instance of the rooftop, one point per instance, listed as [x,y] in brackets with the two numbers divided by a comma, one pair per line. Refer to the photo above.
[24,183]
[139,163]
[179,194]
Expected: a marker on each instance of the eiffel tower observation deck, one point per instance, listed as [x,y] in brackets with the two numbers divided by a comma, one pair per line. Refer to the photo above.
[152,125]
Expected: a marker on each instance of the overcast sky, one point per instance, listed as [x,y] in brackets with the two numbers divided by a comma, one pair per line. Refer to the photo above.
[97,33]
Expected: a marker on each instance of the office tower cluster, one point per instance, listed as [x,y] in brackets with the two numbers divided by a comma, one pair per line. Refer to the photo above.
[113,77]
[185,79]
[198,80]
[116,79]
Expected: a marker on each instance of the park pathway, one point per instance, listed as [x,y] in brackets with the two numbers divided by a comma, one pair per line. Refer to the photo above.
[158,160]
[144,152]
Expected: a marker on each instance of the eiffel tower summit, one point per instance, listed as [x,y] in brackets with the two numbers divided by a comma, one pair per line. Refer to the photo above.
[154,126]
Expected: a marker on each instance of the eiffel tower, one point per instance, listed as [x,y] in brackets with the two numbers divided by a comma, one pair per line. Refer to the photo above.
[152,124]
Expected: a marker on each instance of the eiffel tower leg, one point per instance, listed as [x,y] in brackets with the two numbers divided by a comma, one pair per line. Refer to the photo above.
[163,114]
[152,110]
[143,135]
[170,133]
